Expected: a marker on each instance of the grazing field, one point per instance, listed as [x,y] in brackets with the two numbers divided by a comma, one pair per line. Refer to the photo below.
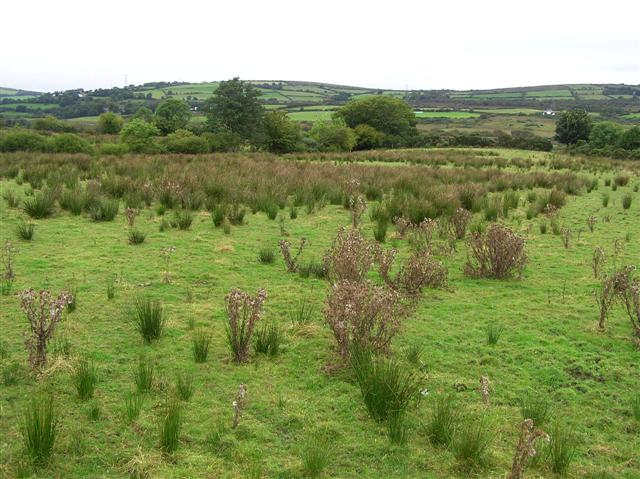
[536,125]
[492,350]
[447,114]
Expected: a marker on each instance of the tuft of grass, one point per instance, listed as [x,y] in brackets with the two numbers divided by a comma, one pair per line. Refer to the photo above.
[293,213]
[183,219]
[472,441]
[494,331]
[143,375]
[315,456]
[72,305]
[626,201]
[170,426]
[387,387]
[535,407]
[302,314]
[40,428]
[136,236]
[443,420]
[266,255]
[133,402]
[605,199]
[562,449]
[543,227]
[413,354]
[85,378]
[148,318]
[111,287]
[25,230]
[10,374]
[12,199]
[41,205]
[94,413]
[397,429]
[201,342]
[635,407]
[268,339]
[184,386]
[104,210]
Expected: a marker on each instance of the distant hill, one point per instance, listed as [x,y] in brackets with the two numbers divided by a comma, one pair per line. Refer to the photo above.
[12,92]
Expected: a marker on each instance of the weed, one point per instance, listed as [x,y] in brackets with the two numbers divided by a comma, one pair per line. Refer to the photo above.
[315,455]
[472,441]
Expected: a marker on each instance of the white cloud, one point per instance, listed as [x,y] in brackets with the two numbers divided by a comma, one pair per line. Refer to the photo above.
[420,44]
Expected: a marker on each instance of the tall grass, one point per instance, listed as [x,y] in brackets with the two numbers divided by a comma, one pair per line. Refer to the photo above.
[472,442]
[184,386]
[40,428]
[302,313]
[201,341]
[494,331]
[133,405]
[266,255]
[111,287]
[443,420]
[562,449]
[143,375]
[85,378]
[25,230]
[315,456]
[104,210]
[535,406]
[41,205]
[170,426]
[635,407]
[268,339]
[148,318]
[136,236]
[182,219]
[387,387]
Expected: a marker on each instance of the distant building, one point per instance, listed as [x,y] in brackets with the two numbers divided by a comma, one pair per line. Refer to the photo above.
[549,113]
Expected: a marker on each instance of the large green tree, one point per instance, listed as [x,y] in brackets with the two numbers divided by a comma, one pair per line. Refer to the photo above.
[389,115]
[333,135]
[630,139]
[234,107]
[573,125]
[110,123]
[172,114]
[605,133]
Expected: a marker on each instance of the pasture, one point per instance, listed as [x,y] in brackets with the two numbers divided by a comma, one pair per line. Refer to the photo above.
[534,337]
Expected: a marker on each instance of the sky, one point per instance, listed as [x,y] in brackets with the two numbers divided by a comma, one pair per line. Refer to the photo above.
[64,44]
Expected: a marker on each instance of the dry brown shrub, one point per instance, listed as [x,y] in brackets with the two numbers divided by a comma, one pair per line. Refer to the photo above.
[525,449]
[460,221]
[598,261]
[498,253]
[243,311]
[291,261]
[420,271]
[350,257]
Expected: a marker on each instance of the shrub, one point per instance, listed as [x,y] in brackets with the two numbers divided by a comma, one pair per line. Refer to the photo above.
[148,318]
[243,311]
[387,387]
[110,123]
[536,407]
[85,379]
[268,339]
[420,271]
[104,210]
[139,135]
[184,387]
[472,442]
[362,313]
[21,140]
[136,236]
[40,428]
[39,206]
[170,426]
[443,420]
[184,141]
[114,149]
[43,313]
[143,375]
[266,255]
[133,405]
[621,180]
[626,201]
[290,261]
[494,330]
[315,456]
[499,253]
[460,221]
[562,449]
[25,230]
[350,257]
[201,343]
[70,143]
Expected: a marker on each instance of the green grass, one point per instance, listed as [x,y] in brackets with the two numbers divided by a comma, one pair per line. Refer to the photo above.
[550,345]
[447,114]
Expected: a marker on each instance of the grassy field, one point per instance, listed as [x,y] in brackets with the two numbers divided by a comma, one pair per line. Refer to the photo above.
[549,343]
[447,114]
[509,123]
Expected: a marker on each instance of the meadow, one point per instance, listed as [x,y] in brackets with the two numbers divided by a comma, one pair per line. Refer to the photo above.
[184,231]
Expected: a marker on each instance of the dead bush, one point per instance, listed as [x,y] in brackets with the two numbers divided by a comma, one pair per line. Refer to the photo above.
[498,253]
[350,257]
[243,311]
[460,221]
[291,261]
[420,271]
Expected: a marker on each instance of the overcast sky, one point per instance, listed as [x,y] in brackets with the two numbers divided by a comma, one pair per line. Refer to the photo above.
[53,45]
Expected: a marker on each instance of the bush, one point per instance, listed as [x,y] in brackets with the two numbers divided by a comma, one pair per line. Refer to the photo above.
[139,136]
[113,149]
[39,428]
[70,143]
[266,255]
[136,236]
[387,387]
[143,375]
[85,379]
[472,442]
[39,206]
[499,253]
[170,426]
[201,343]
[110,123]
[443,420]
[21,140]
[184,141]
[243,312]
[148,318]
[25,230]
[268,339]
